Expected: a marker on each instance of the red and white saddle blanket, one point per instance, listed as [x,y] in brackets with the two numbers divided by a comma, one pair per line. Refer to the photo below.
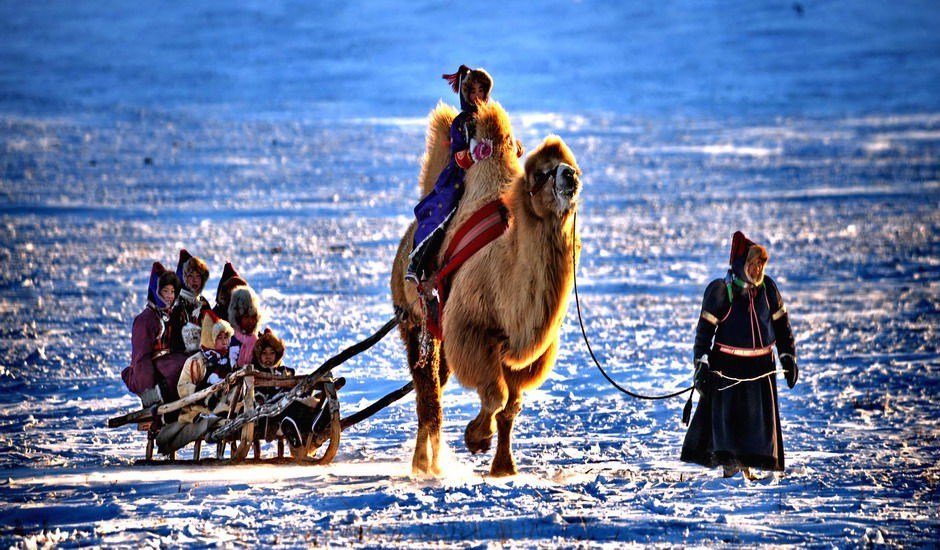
[482,228]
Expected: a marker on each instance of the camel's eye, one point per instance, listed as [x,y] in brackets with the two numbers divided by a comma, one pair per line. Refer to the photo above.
[542,177]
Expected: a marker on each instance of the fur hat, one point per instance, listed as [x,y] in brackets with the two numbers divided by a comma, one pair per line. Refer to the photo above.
[268,340]
[189,263]
[757,251]
[229,280]
[739,246]
[212,326]
[742,251]
[461,81]
[243,302]
[159,278]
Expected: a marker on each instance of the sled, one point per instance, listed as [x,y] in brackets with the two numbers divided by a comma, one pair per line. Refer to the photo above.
[317,390]
[319,446]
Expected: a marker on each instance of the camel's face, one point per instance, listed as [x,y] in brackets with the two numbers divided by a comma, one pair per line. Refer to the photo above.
[554,181]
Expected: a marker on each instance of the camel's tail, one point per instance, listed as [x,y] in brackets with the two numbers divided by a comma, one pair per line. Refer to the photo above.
[437,147]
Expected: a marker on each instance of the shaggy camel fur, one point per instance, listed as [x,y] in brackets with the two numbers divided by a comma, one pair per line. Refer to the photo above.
[507,302]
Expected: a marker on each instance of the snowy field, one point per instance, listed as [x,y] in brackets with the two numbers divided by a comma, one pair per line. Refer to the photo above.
[287,141]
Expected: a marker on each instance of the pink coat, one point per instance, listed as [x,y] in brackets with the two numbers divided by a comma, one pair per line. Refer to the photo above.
[242,348]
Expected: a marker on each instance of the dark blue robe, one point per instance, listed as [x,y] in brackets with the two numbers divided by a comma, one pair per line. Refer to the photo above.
[436,208]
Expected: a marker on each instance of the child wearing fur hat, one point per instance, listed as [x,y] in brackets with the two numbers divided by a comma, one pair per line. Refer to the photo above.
[229,281]
[186,317]
[155,368]
[436,208]
[268,355]
[737,422]
[244,314]
[208,366]
[203,369]
[297,420]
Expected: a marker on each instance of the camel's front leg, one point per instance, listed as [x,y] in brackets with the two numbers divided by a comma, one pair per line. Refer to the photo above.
[480,430]
[517,381]
[503,462]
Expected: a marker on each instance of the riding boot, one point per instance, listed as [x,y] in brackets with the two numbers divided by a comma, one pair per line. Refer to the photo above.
[423,257]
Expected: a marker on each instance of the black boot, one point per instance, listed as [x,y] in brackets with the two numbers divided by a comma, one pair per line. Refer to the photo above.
[424,257]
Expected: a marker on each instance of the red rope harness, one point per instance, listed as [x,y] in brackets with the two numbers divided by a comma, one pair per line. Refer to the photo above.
[482,228]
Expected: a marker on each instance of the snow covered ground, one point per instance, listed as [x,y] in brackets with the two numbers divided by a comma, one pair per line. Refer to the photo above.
[287,141]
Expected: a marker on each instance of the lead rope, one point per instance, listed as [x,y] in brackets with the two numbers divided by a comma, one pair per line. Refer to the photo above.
[577,301]
[739,380]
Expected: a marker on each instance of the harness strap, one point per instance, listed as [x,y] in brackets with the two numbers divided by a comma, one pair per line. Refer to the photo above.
[483,227]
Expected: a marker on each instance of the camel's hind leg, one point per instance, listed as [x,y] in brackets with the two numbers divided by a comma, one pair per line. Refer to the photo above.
[427,381]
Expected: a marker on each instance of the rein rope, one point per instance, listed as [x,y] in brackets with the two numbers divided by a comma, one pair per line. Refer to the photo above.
[739,380]
[577,301]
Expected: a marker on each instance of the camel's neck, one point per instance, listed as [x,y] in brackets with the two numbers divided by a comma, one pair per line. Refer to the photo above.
[546,249]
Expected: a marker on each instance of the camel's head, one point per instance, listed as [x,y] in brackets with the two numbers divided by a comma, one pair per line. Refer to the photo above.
[552,178]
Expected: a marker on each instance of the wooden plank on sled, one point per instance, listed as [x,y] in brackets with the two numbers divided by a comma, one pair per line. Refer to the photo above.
[144,414]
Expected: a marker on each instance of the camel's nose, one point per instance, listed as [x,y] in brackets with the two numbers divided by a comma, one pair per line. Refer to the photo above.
[567,178]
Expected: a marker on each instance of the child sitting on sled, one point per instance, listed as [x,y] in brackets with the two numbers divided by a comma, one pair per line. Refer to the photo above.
[267,358]
[298,419]
[229,280]
[155,367]
[268,355]
[209,366]
[186,318]
[244,314]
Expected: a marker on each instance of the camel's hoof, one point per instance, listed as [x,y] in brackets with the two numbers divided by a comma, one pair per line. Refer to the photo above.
[428,469]
[503,470]
[477,445]
[420,465]
[423,471]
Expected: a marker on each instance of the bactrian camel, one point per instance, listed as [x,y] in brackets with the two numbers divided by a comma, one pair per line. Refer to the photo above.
[506,303]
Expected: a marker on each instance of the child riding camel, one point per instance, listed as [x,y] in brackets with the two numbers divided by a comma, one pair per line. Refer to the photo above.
[435,210]
[737,422]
